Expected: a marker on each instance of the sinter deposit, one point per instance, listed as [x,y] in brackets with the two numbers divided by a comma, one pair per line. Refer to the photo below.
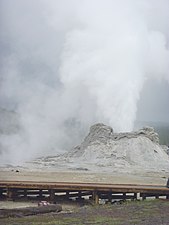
[104,150]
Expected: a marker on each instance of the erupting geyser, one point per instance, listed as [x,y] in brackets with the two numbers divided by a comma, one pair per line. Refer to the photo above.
[69,64]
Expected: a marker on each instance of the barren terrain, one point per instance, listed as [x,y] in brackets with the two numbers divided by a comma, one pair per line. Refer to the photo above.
[84,176]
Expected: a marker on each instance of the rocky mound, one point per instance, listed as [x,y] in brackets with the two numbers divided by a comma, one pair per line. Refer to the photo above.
[104,150]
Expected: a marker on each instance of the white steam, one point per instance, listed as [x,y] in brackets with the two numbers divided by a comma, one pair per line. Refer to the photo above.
[74,63]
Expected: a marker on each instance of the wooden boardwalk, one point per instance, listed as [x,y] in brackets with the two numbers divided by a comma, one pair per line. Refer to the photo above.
[71,190]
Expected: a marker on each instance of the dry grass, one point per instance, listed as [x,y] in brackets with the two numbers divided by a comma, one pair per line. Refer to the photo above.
[153,212]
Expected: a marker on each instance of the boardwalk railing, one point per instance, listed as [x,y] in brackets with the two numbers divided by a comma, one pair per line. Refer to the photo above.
[55,191]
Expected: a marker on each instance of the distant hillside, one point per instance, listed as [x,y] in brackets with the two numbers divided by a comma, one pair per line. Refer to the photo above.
[161,128]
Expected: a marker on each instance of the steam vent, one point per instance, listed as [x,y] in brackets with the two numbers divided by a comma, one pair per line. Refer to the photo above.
[104,150]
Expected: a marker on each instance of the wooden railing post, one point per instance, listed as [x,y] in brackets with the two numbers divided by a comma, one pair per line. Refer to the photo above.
[79,195]
[1,192]
[52,195]
[11,193]
[67,194]
[96,197]
[40,194]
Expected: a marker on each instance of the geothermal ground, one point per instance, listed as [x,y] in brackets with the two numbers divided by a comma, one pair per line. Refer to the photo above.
[105,151]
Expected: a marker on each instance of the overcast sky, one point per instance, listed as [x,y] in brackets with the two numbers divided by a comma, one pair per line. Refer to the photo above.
[71,63]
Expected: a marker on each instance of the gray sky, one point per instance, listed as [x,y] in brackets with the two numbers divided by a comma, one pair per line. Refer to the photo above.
[66,64]
[153,105]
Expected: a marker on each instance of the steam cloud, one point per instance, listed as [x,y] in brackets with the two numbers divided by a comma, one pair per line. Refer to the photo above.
[69,64]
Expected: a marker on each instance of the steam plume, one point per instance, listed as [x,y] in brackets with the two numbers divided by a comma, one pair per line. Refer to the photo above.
[73,63]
